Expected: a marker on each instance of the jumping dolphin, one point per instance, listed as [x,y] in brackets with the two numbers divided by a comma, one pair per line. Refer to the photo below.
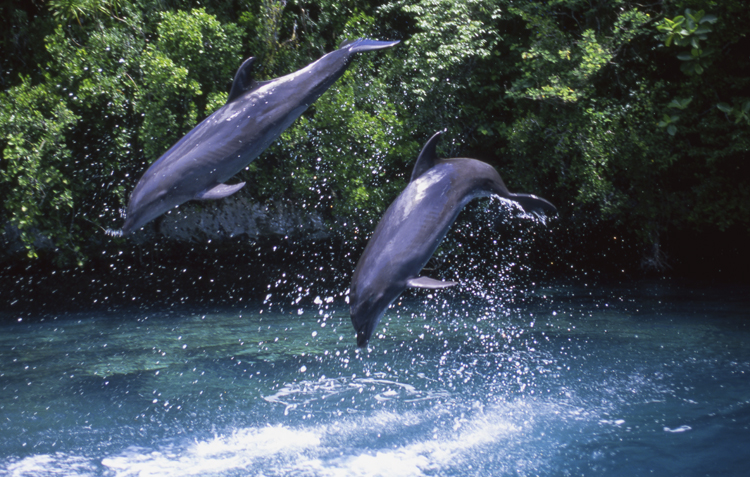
[413,227]
[224,143]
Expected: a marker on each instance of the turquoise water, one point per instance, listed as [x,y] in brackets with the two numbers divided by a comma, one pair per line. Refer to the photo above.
[555,379]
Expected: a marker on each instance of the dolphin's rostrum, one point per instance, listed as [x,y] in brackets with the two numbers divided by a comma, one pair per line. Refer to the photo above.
[224,143]
[413,227]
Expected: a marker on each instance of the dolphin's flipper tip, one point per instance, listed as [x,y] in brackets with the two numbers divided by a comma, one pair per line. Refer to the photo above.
[429,283]
[365,44]
[220,191]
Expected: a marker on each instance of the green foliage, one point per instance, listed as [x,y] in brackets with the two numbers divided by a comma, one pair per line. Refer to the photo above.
[741,112]
[35,177]
[121,97]
[66,10]
[686,30]
[595,89]
[559,65]
[636,113]
[198,42]
[439,65]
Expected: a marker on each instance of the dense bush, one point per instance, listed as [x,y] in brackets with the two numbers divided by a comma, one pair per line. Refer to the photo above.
[635,115]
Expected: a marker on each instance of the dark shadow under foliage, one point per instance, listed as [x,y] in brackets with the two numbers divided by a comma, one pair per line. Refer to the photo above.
[486,250]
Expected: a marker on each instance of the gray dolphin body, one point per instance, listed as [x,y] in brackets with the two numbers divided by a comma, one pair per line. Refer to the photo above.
[224,143]
[413,227]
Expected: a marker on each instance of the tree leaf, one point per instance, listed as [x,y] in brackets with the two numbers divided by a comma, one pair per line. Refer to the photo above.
[679,103]
[724,107]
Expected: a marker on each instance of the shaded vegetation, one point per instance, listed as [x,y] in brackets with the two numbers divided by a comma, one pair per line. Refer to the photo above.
[633,119]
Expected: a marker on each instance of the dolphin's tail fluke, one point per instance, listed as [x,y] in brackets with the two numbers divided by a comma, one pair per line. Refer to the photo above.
[364,44]
[533,204]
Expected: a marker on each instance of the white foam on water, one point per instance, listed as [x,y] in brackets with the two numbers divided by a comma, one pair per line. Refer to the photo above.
[449,450]
[678,429]
[328,450]
[240,450]
[430,454]
[50,465]
[447,439]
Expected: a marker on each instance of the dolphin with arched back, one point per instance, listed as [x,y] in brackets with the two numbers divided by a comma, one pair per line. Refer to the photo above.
[224,143]
[413,227]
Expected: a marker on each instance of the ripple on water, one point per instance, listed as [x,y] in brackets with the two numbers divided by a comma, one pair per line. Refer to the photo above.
[565,385]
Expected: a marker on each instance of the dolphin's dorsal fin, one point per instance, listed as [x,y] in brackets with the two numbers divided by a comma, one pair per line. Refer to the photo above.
[426,282]
[220,191]
[427,157]
[243,80]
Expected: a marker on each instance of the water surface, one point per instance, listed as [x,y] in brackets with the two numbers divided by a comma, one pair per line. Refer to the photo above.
[556,379]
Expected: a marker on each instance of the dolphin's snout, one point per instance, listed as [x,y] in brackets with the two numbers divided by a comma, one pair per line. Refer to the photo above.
[362,339]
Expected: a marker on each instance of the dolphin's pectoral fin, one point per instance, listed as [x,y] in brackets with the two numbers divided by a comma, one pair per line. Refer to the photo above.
[532,203]
[426,282]
[243,80]
[220,191]
[365,44]
[427,157]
